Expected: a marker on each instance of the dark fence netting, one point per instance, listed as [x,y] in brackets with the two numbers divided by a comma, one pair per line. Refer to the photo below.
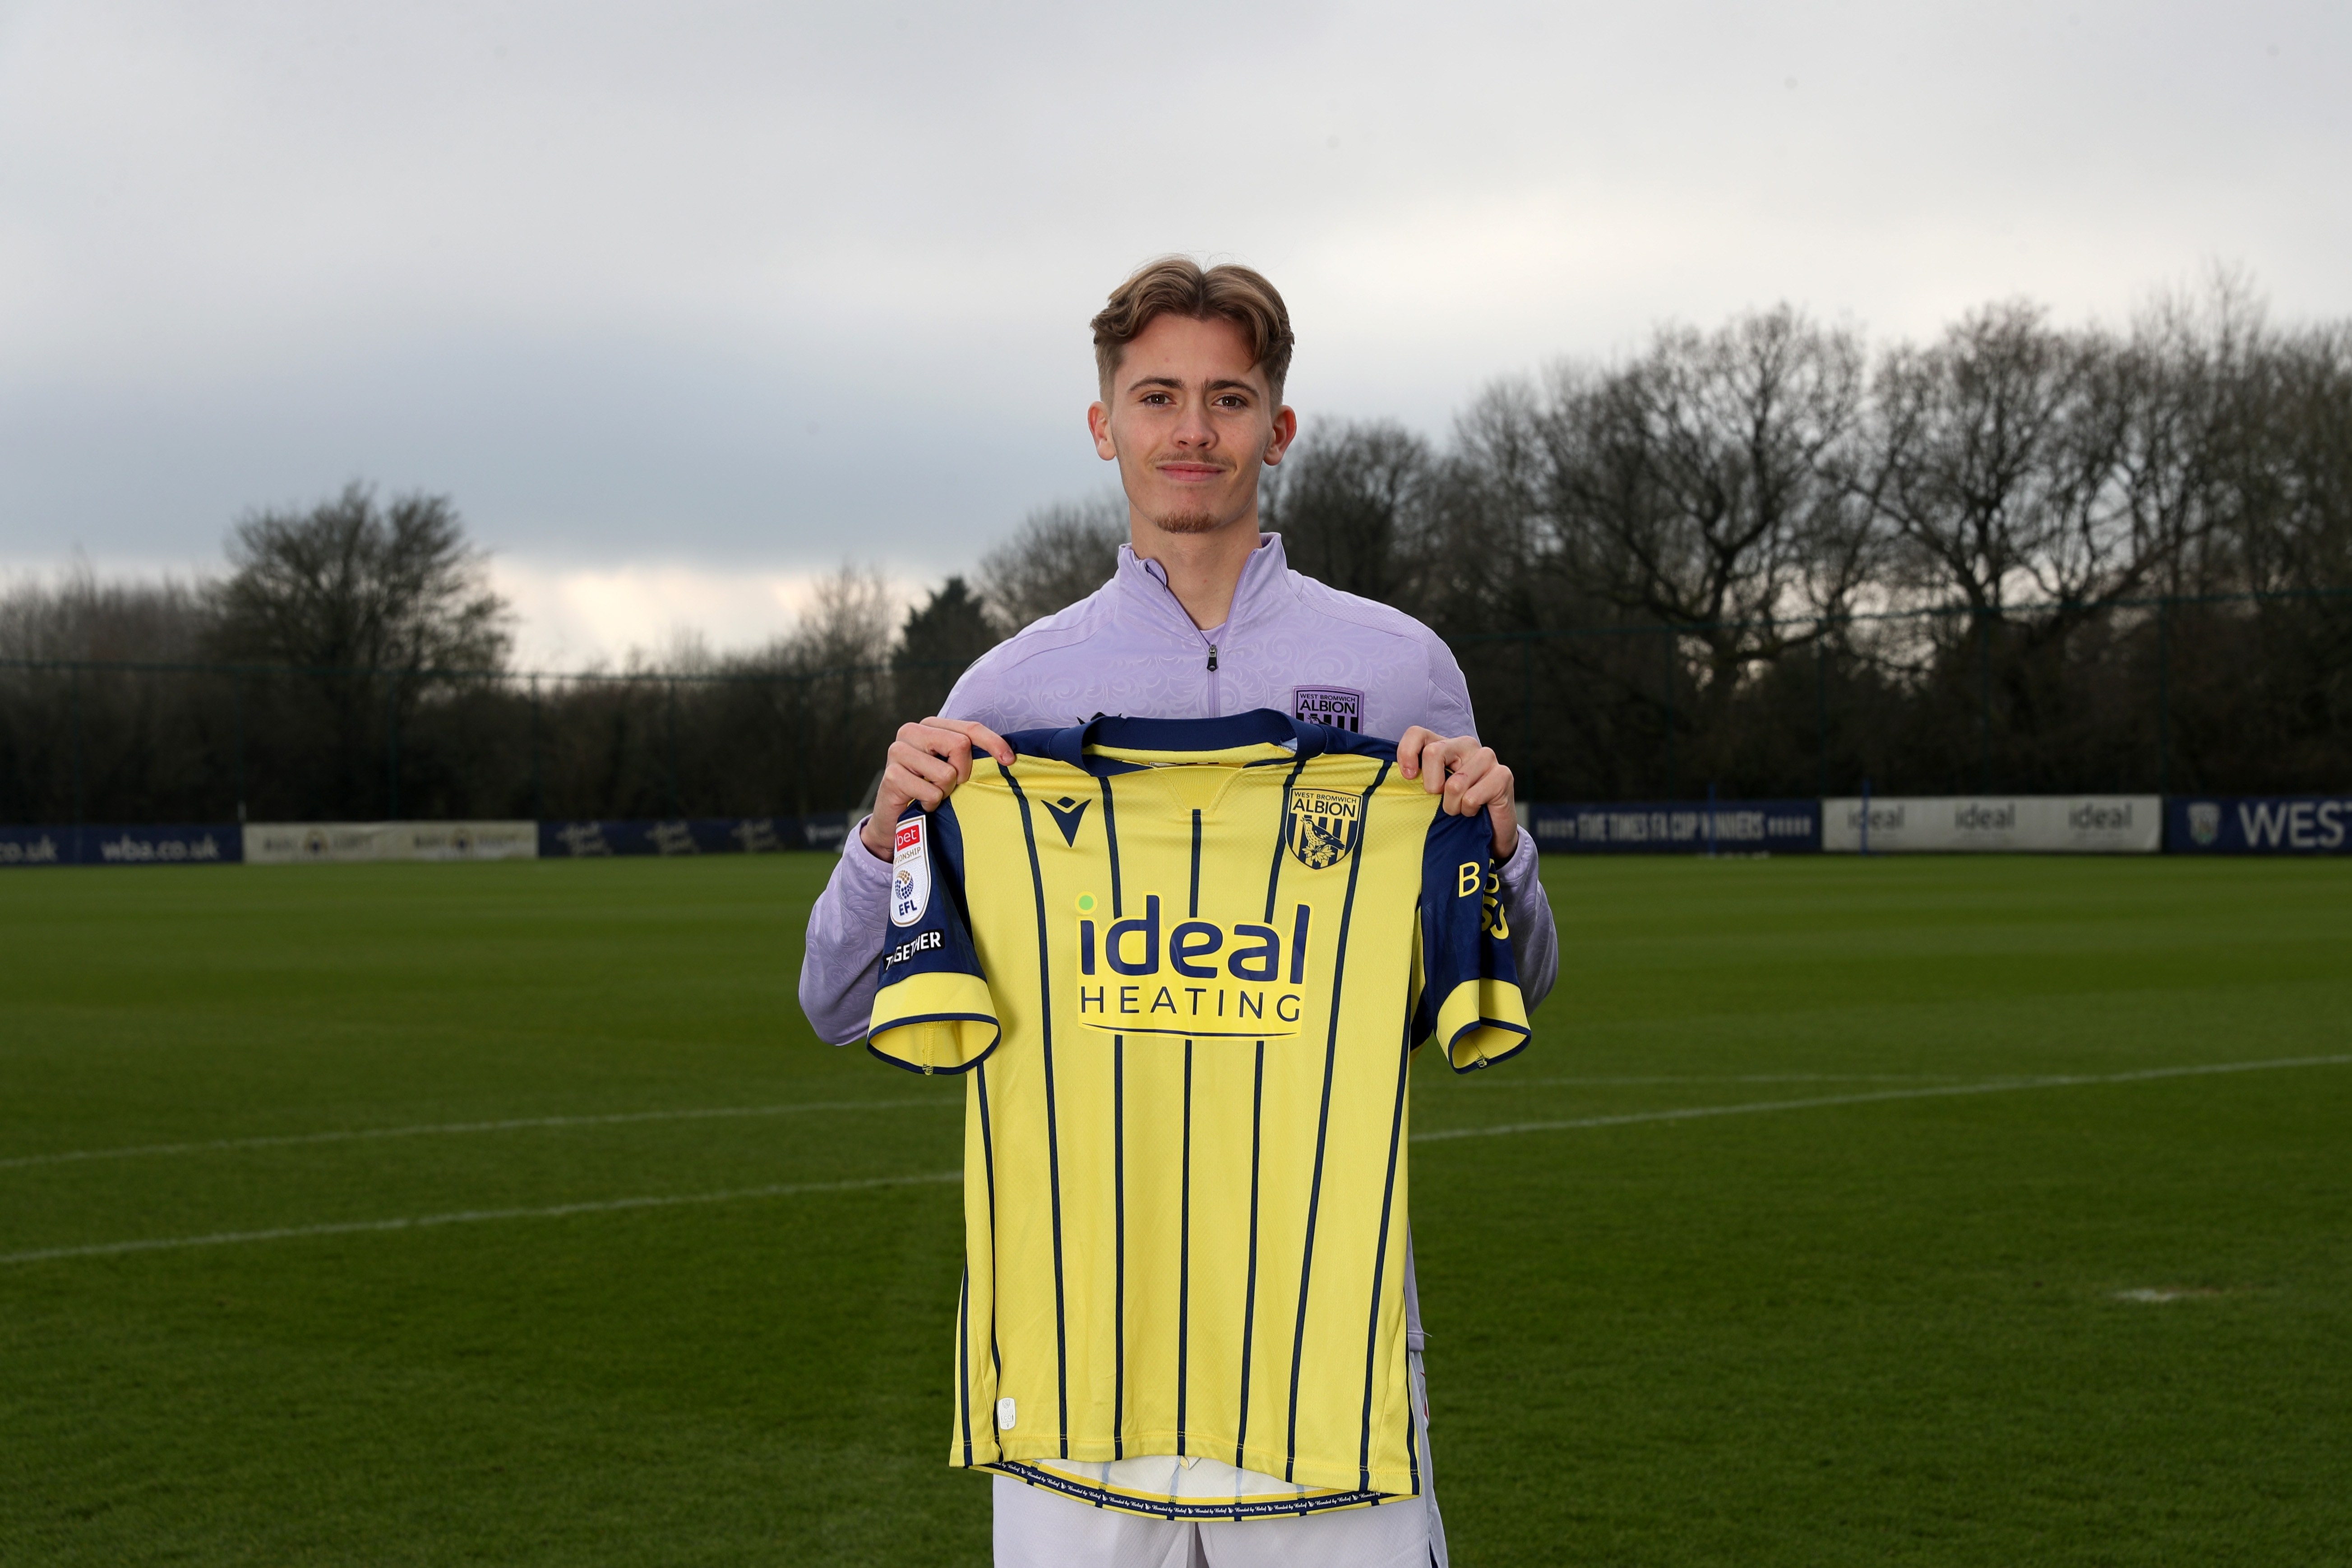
[2226,693]
[88,741]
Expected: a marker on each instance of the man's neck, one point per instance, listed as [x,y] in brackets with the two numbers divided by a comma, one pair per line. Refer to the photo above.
[1203,570]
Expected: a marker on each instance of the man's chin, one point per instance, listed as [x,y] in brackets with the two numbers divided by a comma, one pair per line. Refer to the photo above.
[1188,523]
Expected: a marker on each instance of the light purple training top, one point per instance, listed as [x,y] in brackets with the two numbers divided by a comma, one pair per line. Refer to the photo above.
[1130,649]
[1289,644]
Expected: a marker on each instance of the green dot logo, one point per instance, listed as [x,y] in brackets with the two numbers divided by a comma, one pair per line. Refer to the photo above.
[1086,903]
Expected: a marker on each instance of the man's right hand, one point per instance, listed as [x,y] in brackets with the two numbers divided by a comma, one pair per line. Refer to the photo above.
[927,762]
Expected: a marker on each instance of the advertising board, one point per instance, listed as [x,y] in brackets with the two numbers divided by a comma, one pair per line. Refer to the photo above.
[2001,824]
[291,843]
[692,836]
[2258,825]
[145,843]
[1676,827]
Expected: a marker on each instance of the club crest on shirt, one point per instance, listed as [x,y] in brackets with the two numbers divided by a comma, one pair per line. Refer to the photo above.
[910,872]
[1322,826]
[1341,708]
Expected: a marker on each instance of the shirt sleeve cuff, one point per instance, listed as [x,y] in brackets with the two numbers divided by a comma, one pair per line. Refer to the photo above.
[861,871]
[1519,870]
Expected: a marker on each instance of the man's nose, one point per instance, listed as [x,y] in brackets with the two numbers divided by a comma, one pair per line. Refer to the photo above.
[1194,429]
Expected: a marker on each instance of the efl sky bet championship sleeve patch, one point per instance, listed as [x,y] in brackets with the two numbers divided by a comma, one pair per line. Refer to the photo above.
[1184,964]
[933,1012]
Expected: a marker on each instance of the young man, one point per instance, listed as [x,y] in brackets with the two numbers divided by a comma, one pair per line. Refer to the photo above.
[1202,618]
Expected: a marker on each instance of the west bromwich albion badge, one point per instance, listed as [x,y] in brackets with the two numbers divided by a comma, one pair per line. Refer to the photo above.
[1321,826]
[1341,708]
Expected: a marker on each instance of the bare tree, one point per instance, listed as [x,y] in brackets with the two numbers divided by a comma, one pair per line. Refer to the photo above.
[79,616]
[831,686]
[1709,485]
[2019,461]
[1350,501]
[2294,526]
[350,585]
[377,608]
[1060,554]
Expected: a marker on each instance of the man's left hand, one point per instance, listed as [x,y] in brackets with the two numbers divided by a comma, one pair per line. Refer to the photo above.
[1471,777]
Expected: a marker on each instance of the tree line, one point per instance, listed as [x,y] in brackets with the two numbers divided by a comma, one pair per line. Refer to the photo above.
[1769,558]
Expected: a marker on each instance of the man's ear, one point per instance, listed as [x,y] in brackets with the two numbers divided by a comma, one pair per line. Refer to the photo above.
[1286,430]
[1098,423]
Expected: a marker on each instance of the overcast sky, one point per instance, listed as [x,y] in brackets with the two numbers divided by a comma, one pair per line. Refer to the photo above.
[683,303]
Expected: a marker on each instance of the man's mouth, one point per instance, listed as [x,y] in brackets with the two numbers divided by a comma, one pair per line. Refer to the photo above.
[1190,473]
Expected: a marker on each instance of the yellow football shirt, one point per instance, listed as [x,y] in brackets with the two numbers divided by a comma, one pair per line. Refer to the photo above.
[1185,964]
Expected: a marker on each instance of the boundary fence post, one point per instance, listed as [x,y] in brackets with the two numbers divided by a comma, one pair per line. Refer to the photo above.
[236,685]
[795,735]
[1527,697]
[1668,644]
[1821,712]
[392,747]
[670,761]
[2164,695]
[1984,700]
[74,684]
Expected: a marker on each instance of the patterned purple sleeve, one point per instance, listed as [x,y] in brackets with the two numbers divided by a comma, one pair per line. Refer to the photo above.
[1535,940]
[841,965]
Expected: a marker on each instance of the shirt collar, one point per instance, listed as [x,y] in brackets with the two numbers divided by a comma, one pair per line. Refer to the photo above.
[1261,734]
[1263,576]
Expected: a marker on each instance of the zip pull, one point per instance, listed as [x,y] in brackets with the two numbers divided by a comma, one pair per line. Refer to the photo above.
[1213,658]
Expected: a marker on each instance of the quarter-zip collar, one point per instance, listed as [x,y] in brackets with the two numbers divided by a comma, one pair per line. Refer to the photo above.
[1265,575]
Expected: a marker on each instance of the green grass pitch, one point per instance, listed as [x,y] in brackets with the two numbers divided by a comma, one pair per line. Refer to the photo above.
[1879,1312]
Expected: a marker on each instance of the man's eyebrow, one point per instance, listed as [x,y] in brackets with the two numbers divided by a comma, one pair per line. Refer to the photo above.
[1226,383]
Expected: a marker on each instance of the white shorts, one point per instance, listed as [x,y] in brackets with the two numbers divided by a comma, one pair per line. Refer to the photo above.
[1040,1528]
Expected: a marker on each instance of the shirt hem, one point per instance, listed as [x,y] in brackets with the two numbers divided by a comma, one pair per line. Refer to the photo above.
[1171,1509]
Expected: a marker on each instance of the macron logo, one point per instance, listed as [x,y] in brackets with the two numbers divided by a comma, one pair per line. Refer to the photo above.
[1067,814]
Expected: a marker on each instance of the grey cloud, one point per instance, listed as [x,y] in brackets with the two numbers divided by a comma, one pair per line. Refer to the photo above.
[766,285]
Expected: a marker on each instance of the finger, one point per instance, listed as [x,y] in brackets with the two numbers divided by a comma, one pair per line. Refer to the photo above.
[922,766]
[1409,747]
[1507,828]
[1434,755]
[1463,765]
[916,789]
[1490,788]
[937,736]
[951,746]
[974,735]
[926,764]
[1466,773]
[995,744]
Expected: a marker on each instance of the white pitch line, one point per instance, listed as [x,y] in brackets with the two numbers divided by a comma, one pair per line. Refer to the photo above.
[1479,1081]
[351,1227]
[283,1140]
[1692,1113]
[468,1217]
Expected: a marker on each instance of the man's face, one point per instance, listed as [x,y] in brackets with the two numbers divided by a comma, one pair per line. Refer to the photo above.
[1189,420]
